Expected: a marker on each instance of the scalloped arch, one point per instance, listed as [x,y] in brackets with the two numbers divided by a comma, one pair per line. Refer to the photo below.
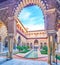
[24,3]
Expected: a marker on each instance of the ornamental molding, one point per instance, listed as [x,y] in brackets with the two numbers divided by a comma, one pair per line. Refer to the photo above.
[50,11]
[4,8]
[51,31]
[25,3]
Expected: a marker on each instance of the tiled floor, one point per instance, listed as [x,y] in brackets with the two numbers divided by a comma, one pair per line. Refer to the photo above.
[39,59]
[2,59]
[23,62]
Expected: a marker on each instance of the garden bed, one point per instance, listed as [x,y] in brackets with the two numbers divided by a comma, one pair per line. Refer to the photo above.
[44,50]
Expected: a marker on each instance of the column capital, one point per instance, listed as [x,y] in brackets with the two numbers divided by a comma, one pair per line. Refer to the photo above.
[10,18]
[50,11]
[11,35]
[51,32]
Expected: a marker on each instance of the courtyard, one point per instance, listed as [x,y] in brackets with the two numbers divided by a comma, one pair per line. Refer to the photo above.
[29,32]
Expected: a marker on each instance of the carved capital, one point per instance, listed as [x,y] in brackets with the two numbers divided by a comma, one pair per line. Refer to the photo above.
[50,11]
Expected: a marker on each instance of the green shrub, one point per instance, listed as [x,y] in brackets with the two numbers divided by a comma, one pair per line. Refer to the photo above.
[58,57]
[44,50]
[25,47]
[19,48]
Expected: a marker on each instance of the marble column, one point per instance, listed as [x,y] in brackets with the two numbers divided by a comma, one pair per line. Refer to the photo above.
[11,35]
[53,48]
[10,47]
[1,45]
[58,36]
[49,60]
[50,18]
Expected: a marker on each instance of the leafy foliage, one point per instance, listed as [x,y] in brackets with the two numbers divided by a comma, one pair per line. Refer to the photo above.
[23,49]
[19,48]
[58,57]
[44,50]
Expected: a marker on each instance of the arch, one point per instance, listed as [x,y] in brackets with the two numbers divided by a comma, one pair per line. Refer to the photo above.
[45,44]
[41,45]
[36,41]
[27,44]
[19,37]
[0,38]
[24,3]
[2,23]
[31,44]
[55,37]
[6,41]
[3,30]
[3,35]
[19,40]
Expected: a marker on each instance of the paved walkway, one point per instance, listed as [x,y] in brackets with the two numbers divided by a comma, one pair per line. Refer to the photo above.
[18,60]
[24,62]
[40,57]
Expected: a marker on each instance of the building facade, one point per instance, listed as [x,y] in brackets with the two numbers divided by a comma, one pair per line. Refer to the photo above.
[29,37]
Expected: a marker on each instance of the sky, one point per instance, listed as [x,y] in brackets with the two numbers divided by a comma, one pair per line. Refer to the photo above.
[32,18]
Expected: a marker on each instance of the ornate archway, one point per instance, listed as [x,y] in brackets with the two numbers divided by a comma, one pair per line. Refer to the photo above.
[25,3]
[3,31]
[3,34]
[49,14]
[36,44]
[49,17]
[36,41]
[19,40]
[2,24]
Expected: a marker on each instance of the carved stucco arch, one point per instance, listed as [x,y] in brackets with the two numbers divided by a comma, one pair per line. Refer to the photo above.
[3,28]
[24,3]
[1,22]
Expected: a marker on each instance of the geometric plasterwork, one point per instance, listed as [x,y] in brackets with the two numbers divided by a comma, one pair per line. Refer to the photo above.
[47,13]
[24,3]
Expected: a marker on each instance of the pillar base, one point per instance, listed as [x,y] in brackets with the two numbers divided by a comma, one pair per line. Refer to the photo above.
[53,61]
[10,55]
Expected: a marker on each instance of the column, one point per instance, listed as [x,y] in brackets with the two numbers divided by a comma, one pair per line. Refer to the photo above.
[15,45]
[11,34]
[49,60]
[53,48]
[10,47]
[50,19]
[1,44]
[59,36]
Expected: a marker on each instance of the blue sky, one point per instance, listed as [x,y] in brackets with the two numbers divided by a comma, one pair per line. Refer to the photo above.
[32,18]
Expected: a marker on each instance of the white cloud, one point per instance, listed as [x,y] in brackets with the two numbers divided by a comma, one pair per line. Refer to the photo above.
[35,27]
[24,15]
[34,20]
